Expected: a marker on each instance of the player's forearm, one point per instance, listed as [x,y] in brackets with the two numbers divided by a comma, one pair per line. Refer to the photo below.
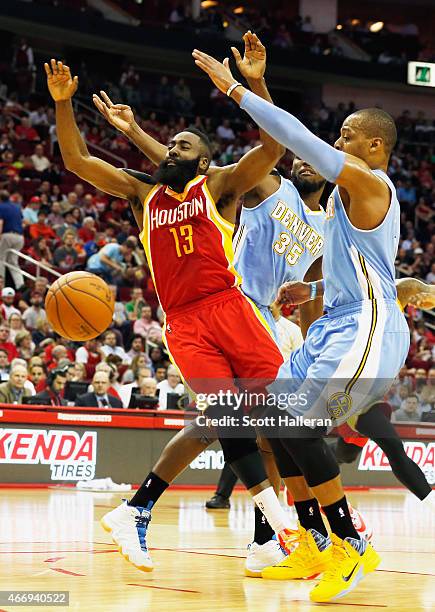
[259,87]
[149,146]
[291,133]
[72,146]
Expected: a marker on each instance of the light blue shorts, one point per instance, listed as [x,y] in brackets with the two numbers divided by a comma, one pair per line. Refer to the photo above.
[348,362]
[267,314]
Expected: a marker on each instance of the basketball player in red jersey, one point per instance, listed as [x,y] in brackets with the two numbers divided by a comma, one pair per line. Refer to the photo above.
[212,331]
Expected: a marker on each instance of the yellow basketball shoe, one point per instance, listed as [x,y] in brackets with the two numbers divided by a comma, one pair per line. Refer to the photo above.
[351,561]
[310,557]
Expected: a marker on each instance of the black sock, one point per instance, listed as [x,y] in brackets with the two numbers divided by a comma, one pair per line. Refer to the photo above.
[309,515]
[263,531]
[339,519]
[149,492]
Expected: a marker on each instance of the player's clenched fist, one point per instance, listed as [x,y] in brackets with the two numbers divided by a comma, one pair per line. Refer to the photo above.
[61,85]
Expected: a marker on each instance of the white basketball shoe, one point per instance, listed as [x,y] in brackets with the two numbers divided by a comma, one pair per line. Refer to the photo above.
[128,527]
[261,556]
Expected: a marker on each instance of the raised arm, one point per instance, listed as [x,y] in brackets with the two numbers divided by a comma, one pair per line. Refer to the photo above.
[255,165]
[370,193]
[252,67]
[122,118]
[74,151]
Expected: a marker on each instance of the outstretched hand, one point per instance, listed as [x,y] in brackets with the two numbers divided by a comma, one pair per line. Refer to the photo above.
[119,115]
[218,72]
[61,85]
[253,63]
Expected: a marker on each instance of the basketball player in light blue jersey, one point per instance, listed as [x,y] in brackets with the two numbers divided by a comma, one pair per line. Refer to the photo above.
[362,338]
[280,239]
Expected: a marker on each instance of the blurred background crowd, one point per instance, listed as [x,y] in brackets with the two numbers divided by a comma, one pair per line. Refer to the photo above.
[65,225]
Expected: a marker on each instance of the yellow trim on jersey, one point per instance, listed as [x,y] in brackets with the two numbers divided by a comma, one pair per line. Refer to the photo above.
[259,316]
[226,229]
[144,236]
[363,361]
[182,196]
[145,208]
[222,219]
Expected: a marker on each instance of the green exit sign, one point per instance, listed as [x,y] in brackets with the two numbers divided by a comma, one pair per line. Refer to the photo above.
[421,73]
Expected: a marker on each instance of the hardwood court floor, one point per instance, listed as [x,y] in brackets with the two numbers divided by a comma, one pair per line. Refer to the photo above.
[51,540]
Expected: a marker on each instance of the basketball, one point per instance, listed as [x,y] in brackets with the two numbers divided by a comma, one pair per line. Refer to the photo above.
[79,306]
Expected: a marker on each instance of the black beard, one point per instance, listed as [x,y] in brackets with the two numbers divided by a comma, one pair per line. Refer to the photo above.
[178,175]
[305,187]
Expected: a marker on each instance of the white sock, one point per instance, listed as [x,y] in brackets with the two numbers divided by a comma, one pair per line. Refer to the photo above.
[269,505]
[429,500]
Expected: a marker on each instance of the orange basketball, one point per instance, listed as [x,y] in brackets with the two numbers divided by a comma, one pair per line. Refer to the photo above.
[79,306]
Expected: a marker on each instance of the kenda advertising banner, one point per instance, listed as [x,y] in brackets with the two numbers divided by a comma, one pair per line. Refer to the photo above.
[51,454]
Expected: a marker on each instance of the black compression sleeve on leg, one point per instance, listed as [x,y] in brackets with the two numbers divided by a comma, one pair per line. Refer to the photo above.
[315,459]
[250,469]
[346,452]
[226,482]
[375,425]
[284,461]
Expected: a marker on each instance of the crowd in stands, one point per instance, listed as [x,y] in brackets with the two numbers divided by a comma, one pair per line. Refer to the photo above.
[278,25]
[67,225]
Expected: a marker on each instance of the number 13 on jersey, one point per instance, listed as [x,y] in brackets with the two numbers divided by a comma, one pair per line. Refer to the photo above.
[183,238]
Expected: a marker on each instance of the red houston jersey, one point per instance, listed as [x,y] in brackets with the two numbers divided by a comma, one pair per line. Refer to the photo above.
[188,244]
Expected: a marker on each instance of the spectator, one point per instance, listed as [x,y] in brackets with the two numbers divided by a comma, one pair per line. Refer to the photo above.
[430,277]
[55,385]
[172,384]
[4,365]
[25,131]
[112,371]
[225,131]
[41,229]
[109,262]
[138,362]
[11,237]
[146,326]
[148,387]
[182,96]
[25,345]
[160,373]
[164,94]
[7,307]
[65,257]
[90,354]
[137,349]
[30,213]
[307,25]
[37,375]
[99,397]
[13,391]
[35,311]
[129,82]
[109,347]
[133,308]
[38,117]
[127,389]
[55,218]
[409,410]
[40,286]
[88,229]
[6,344]
[41,251]
[41,163]
[16,325]
[119,313]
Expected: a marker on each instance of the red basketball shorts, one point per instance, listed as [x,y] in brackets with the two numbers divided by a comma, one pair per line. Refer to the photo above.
[219,339]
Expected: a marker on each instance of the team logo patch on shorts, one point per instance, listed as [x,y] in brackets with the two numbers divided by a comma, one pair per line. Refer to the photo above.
[338,405]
